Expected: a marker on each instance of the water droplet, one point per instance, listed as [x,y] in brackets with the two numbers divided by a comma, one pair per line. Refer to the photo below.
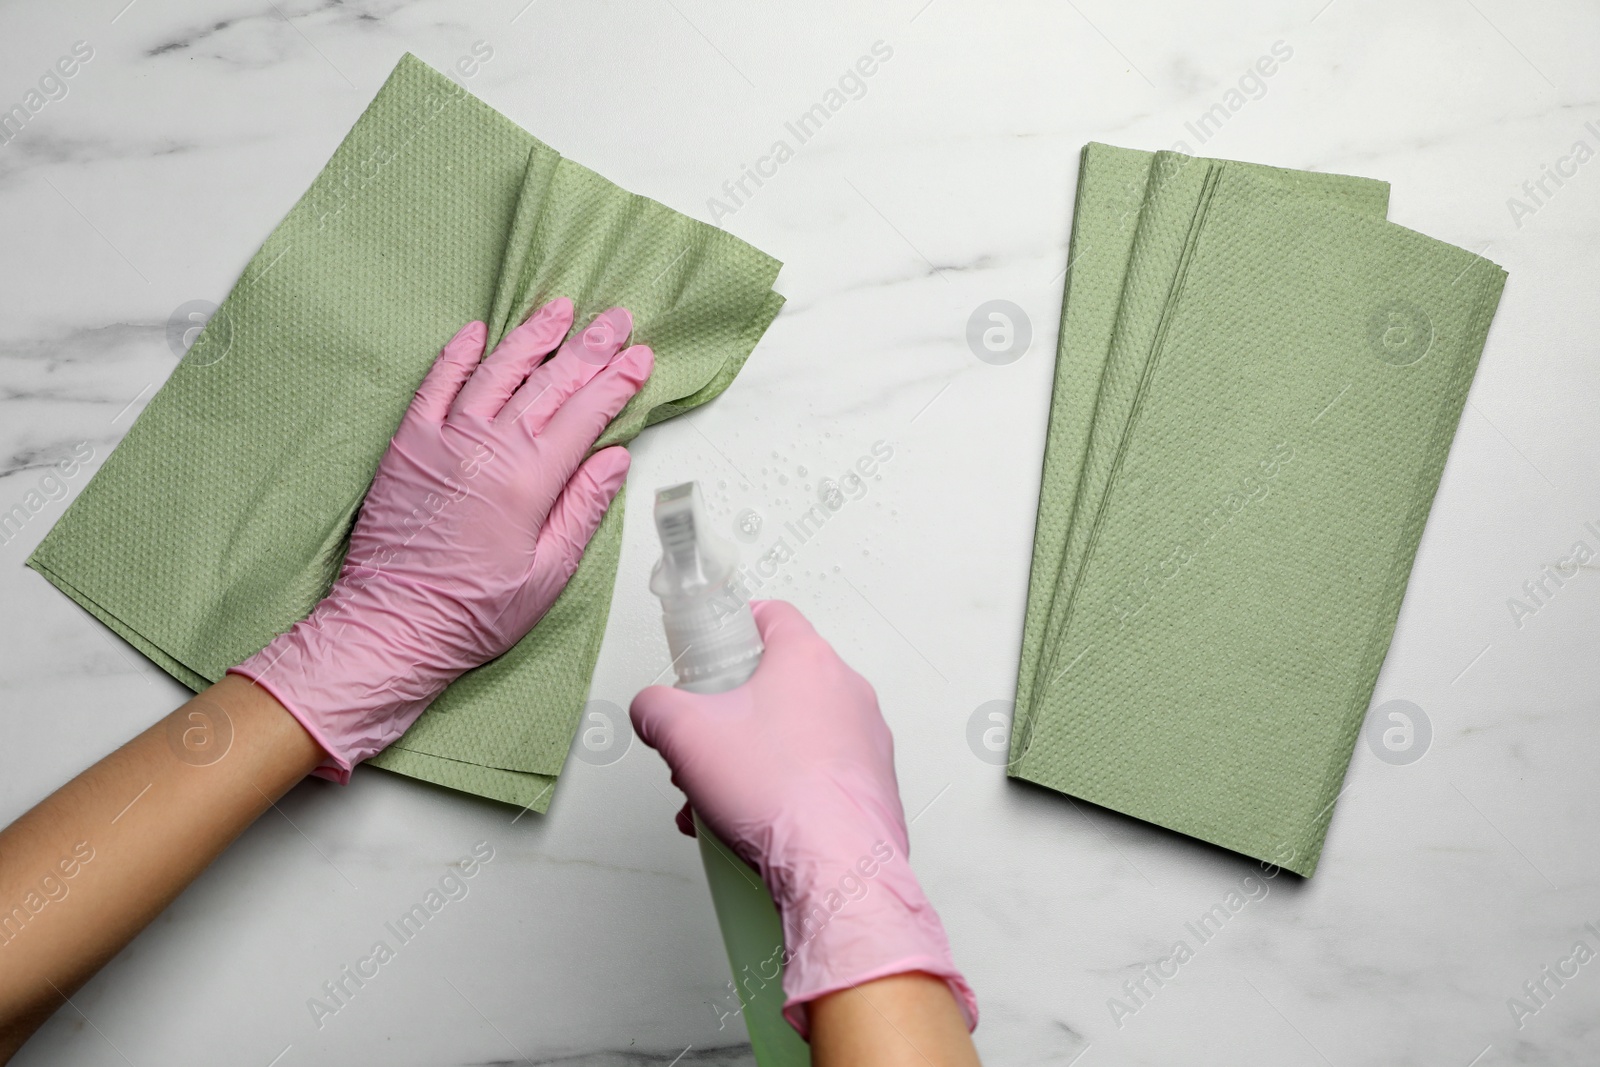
[783,479]
[747,524]
[801,471]
[830,494]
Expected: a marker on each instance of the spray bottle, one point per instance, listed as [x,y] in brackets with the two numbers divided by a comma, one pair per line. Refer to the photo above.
[715,646]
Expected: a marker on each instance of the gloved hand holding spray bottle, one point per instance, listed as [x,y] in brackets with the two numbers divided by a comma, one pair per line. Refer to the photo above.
[715,647]
[786,755]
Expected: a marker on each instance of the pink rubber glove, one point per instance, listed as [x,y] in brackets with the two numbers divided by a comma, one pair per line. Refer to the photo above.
[795,771]
[479,513]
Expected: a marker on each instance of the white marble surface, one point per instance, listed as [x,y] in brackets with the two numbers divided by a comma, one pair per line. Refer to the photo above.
[1446,883]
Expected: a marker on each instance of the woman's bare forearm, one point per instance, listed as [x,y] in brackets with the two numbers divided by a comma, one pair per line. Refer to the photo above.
[904,1020]
[93,863]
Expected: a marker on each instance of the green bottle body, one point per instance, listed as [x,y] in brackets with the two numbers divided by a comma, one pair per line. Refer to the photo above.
[753,936]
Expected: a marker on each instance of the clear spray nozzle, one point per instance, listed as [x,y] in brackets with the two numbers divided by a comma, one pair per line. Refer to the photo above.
[692,557]
[712,635]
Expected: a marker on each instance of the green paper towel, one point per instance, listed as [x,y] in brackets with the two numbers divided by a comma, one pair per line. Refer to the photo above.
[1249,497]
[221,518]
[1117,204]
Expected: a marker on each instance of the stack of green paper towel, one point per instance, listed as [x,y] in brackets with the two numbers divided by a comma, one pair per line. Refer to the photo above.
[221,518]
[1257,382]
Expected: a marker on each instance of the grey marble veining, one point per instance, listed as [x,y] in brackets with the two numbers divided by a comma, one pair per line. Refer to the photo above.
[1448,885]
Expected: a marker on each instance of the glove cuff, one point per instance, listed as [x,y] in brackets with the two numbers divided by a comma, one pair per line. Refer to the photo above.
[352,689]
[334,768]
[873,921]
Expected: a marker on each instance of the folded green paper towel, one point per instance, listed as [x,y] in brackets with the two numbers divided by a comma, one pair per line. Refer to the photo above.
[1278,393]
[1090,402]
[221,518]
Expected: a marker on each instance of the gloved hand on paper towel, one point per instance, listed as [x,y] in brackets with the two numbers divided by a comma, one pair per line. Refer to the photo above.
[477,517]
